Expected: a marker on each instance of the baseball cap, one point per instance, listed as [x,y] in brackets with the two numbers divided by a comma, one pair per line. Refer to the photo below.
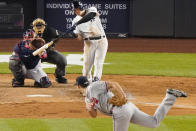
[82,81]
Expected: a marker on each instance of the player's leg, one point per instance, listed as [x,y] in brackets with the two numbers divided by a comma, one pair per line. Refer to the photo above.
[40,77]
[99,58]
[121,117]
[89,54]
[121,124]
[146,120]
[55,57]
[15,65]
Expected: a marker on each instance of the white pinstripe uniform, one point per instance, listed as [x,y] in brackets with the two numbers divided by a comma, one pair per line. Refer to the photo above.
[123,115]
[94,50]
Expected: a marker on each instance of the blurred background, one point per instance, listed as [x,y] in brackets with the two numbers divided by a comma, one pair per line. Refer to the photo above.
[120,18]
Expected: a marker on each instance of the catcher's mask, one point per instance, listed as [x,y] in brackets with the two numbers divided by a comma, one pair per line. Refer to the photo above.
[29,35]
[39,25]
[82,81]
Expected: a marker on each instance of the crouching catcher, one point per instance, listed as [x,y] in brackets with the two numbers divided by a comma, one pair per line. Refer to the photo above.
[30,65]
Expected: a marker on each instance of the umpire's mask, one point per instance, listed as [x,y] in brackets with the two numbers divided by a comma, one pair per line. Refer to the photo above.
[39,25]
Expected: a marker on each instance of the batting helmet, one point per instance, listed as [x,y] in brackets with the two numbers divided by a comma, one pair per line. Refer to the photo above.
[37,43]
[39,25]
[82,81]
[76,4]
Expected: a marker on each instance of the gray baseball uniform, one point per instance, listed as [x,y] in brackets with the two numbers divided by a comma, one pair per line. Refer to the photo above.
[95,44]
[123,115]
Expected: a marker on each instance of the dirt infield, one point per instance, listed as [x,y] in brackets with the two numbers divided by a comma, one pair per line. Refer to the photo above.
[65,101]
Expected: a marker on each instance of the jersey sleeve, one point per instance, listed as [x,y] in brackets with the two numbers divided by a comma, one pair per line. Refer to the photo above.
[92,9]
[75,20]
[97,89]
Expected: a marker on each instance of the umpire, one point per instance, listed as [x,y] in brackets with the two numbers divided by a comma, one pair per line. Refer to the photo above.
[53,56]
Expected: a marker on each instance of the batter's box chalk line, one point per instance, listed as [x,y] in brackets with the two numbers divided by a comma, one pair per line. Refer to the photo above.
[39,95]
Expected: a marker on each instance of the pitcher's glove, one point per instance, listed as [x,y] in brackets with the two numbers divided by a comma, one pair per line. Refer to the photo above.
[119,97]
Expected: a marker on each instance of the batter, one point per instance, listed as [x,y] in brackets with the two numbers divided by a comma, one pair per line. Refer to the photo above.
[89,29]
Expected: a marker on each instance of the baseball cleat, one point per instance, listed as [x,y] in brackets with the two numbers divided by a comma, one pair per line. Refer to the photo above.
[176,93]
[61,79]
[17,83]
[46,85]
[37,84]
[95,79]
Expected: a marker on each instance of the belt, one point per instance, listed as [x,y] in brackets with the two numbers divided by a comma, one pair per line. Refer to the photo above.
[95,38]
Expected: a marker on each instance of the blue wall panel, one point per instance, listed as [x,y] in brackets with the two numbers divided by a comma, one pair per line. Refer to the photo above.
[114,14]
[185,18]
[153,18]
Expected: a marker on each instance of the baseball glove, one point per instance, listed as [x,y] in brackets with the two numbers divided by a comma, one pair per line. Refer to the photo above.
[119,97]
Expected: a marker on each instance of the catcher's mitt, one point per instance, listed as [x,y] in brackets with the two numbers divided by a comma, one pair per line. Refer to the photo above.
[119,97]
[37,43]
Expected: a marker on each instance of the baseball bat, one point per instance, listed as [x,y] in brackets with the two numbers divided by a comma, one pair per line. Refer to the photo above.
[38,51]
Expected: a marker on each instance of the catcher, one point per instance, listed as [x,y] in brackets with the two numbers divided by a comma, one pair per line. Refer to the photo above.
[15,64]
[31,65]
[109,99]
[53,56]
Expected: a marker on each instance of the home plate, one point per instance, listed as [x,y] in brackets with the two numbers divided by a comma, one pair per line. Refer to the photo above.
[39,95]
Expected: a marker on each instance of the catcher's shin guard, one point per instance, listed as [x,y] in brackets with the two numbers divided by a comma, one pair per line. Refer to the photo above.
[45,82]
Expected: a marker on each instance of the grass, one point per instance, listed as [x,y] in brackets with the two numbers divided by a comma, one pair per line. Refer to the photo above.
[170,123]
[154,64]
[157,64]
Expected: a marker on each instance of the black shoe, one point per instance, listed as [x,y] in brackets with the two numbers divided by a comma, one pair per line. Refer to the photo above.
[17,83]
[47,85]
[176,93]
[61,79]
[37,84]
[95,79]
[45,82]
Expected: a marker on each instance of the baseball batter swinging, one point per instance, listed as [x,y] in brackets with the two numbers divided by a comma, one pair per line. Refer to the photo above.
[109,98]
[88,27]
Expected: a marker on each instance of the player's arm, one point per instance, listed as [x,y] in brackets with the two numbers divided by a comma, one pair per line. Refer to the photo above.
[87,15]
[91,110]
[86,18]
[79,37]
[90,106]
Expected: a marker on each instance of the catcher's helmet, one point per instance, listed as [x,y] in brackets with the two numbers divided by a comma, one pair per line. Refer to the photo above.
[29,35]
[39,25]
[76,4]
[82,81]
